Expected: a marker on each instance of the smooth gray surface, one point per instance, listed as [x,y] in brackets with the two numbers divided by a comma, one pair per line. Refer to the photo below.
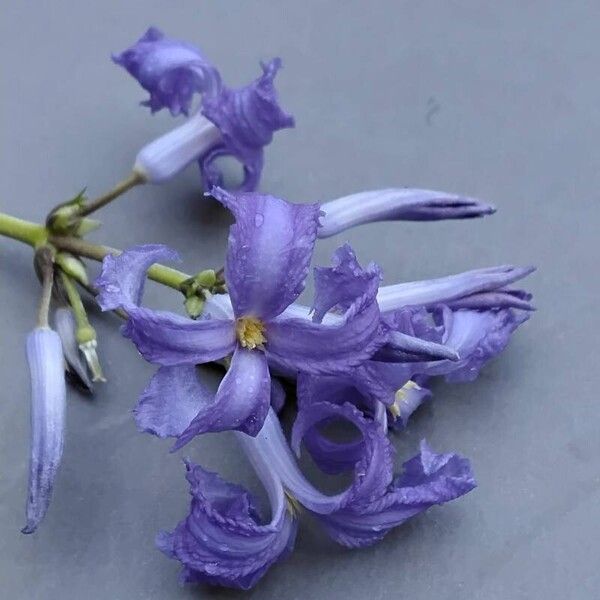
[496,100]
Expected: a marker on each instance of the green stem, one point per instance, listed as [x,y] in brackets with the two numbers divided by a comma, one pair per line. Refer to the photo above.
[36,235]
[81,318]
[24,231]
[119,189]
[45,263]
[159,273]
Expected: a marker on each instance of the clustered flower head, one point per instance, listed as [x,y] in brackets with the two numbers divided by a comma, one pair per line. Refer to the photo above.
[362,354]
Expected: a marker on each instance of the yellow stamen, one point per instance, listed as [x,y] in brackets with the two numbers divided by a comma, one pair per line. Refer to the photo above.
[401,397]
[250,332]
[294,507]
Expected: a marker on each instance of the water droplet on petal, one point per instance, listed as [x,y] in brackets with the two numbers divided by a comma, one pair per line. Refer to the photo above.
[258,219]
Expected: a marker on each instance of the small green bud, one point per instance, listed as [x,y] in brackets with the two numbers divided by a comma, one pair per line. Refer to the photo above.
[72,266]
[65,219]
[194,306]
[86,226]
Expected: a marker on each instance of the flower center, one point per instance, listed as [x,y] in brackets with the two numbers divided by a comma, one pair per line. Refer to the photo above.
[400,397]
[250,332]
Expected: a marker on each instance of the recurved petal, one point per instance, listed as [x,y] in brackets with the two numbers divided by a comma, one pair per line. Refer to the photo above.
[168,339]
[428,479]
[247,118]
[241,402]
[48,404]
[447,289]
[172,399]
[270,248]
[121,281]
[339,285]
[222,542]
[398,204]
[170,70]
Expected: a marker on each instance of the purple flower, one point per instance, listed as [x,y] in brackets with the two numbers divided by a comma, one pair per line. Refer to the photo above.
[170,70]
[48,402]
[238,123]
[270,247]
[222,542]
[397,204]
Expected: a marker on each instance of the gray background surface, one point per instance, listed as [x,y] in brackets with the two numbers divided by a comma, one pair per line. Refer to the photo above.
[496,100]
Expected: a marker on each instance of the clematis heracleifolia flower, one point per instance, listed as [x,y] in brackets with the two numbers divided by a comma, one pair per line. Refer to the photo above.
[230,122]
[397,204]
[221,541]
[48,404]
[270,248]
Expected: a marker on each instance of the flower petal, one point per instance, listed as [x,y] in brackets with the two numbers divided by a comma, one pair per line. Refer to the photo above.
[446,289]
[121,281]
[343,282]
[397,204]
[247,119]
[221,541]
[295,344]
[277,395]
[501,298]
[241,402]
[48,404]
[170,402]
[168,339]
[170,70]
[428,479]
[270,248]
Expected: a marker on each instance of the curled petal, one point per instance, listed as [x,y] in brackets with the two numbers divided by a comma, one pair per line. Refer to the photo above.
[247,119]
[241,402]
[221,542]
[48,403]
[446,289]
[339,285]
[270,248]
[170,70]
[397,204]
[121,281]
[168,339]
[482,336]
[170,402]
[428,479]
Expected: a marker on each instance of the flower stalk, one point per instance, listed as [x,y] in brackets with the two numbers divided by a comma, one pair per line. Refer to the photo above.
[135,178]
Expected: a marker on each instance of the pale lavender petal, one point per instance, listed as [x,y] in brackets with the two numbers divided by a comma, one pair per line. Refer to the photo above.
[48,403]
[270,248]
[171,400]
[241,402]
[247,118]
[222,542]
[170,153]
[397,204]
[170,70]
[168,339]
[121,281]
[339,285]
[64,323]
[446,289]
[428,479]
